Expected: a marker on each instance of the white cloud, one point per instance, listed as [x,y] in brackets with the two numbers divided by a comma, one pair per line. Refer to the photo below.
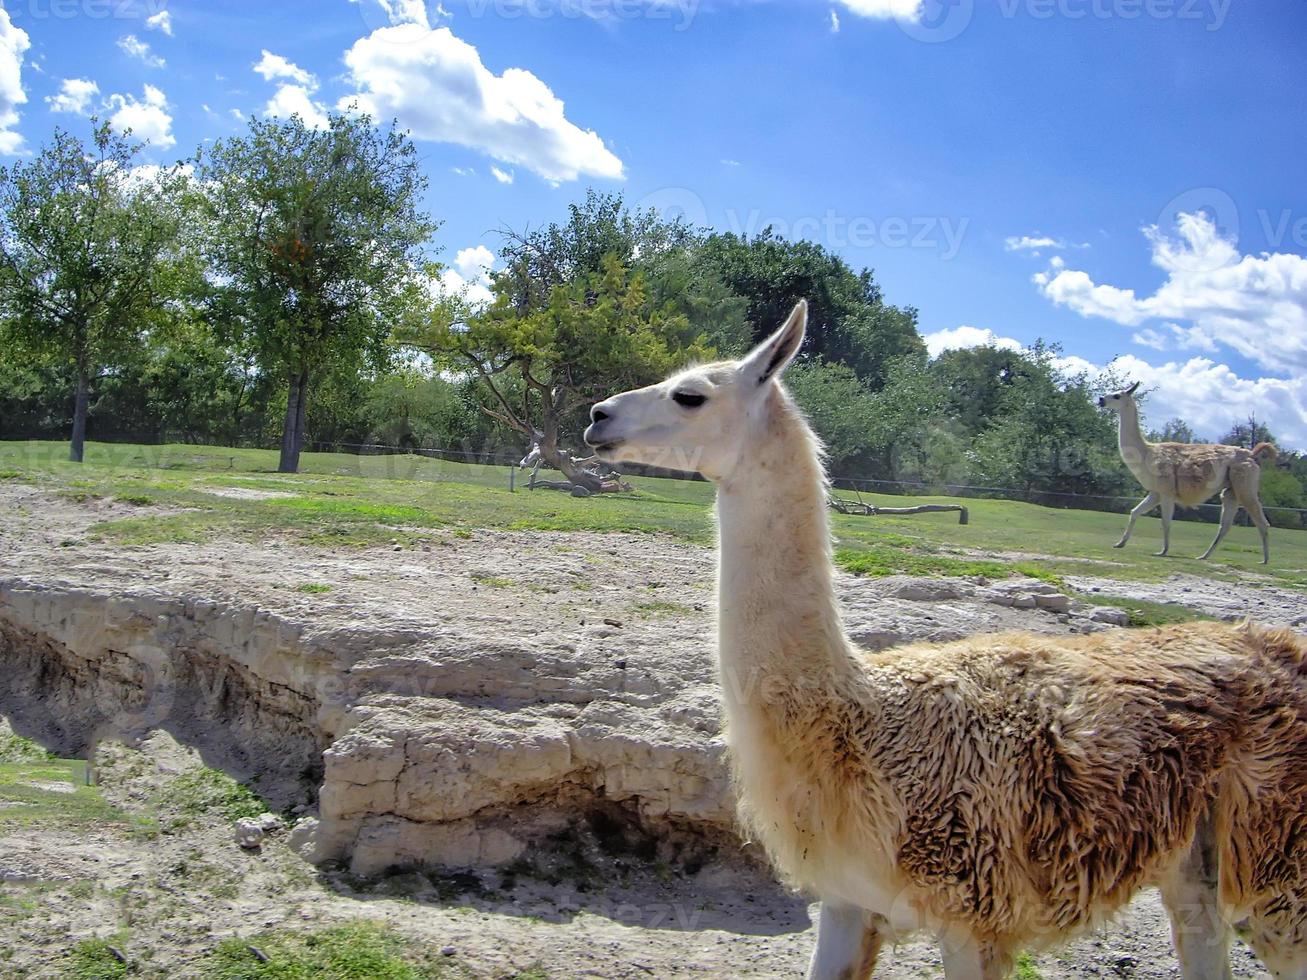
[75,95]
[1209,395]
[438,88]
[237,115]
[134,47]
[884,9]
[834,21]
[148,173]
[1148,337]
[963,337]
[293,97]
[1255,305]
[272,66]
[408,12]
[14,42]
[162,21]
[501,176]
[469,275]
[463,171]
[147,118]
[297,100]
[1034,243]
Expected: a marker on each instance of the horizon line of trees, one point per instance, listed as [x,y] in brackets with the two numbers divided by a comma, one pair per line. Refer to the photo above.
[278,289]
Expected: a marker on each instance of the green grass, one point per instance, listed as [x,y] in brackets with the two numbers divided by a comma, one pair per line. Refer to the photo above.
[93,959]
[202,790]
[36,794]
[1026,968]
[313,588]
[343,501]
[15,748]
[660,608]
[880,559]
[1142,612]
[355,951]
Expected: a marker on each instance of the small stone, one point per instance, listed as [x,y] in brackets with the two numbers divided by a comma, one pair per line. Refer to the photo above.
[1111,616]
[1023,602]
[447,950]
[249,834]
[1053,602]
[398,547]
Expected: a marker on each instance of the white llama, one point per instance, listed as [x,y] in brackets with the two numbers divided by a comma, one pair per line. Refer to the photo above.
[1003,791]
[1188,474]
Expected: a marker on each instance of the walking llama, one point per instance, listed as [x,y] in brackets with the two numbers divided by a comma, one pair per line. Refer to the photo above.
[1188,474]
[1005,791]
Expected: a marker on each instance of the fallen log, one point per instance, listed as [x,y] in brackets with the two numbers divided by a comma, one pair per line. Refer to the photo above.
[861,509]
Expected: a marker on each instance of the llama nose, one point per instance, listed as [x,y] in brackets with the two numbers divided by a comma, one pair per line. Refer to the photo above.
[598,413]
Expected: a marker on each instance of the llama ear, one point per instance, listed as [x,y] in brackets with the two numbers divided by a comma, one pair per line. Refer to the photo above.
[1131,390]
[770,358]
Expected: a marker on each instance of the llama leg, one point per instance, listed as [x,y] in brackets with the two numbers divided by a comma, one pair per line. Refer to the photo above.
[1191,897]
[848,942]
[1168,509]
[1254,508]
[1143,507]
[974,960]
[1277,944]
[1229,507]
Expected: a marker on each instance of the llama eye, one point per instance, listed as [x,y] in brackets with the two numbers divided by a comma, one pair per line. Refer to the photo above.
[688,399]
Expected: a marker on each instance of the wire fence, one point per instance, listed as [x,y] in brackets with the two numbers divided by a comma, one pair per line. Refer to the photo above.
[1293,517]
[1209,512]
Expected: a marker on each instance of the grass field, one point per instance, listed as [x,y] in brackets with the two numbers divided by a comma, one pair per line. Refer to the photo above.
[340,500]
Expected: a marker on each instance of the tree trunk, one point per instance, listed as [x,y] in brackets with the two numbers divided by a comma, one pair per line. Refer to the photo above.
[562,460]
[292,431]
[81,402]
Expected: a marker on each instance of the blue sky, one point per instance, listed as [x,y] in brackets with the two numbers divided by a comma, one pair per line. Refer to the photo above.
[1123,177]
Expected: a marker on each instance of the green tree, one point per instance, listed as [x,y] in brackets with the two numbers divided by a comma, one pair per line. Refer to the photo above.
[848,319]
[1046,434]
[1248,434]
[596,335]
[597,229]
[83,238]
[1175,430]
[840,408]
[316,239]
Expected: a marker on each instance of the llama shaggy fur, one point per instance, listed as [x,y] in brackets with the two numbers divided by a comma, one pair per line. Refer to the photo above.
[1189,474]
[1004,791]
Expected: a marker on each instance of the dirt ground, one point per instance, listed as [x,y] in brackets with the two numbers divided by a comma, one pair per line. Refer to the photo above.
[179,891]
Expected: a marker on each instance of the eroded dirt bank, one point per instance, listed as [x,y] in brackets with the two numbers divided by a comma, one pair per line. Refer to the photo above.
[481,702]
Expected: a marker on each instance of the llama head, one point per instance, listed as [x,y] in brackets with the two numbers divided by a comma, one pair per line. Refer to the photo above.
[699,419]
[1117,400]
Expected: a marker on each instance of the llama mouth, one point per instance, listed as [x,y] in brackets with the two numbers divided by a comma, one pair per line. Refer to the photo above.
[598,444]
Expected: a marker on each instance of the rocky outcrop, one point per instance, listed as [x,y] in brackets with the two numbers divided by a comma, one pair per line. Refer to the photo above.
[445,737]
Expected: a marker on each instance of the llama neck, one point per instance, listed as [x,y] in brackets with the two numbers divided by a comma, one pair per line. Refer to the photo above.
[1130,435]
[777,615]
